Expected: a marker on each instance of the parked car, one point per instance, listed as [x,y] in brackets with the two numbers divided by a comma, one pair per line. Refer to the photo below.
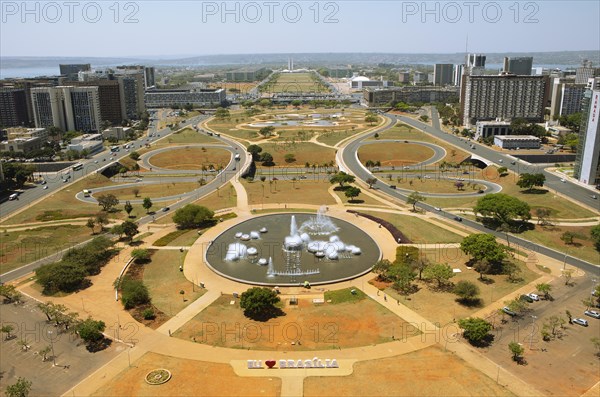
[506,310]
[592,313]
[526,298]
[580,321]
[535,297]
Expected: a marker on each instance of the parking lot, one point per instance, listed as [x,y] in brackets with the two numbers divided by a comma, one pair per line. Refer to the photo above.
[73,361]
[565,366]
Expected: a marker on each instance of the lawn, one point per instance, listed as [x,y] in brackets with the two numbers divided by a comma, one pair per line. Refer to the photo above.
[348,323]
[284,191]
[362,199]
[190,378]
[294,83]
[394,154]
[441,306]
[560,207]
[427,372]
[304,152]
[165,281]
[178,238]
[21,247]
[188,135]
[582,247]
[427,185]
[151,190]
[191,158]
[63,204]
[417,229]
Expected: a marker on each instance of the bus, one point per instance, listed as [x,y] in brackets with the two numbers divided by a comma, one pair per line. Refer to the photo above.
[77,167]
[114,149]
[86,193]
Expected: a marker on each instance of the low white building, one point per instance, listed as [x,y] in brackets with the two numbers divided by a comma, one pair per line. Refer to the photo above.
[90,142]
[119,133]
[517,141]
[484,129]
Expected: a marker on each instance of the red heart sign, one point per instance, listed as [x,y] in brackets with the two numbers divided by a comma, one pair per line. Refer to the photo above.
[270,363]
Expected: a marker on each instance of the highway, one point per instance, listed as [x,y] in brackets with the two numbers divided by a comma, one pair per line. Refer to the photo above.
[348,161]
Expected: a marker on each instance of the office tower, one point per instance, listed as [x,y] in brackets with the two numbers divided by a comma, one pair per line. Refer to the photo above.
[13,107]
[442,73]
[459,70]
[587,163]
[504,96]
[518,65]
[70,70]
[566,97]
[475,64]
[66,107]
[109,95]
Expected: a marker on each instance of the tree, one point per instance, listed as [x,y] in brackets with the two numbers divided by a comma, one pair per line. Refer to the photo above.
[134,155]
[147,204]
[90,331]
[371,182]
[259,302]
[118,230]
[502,171]
[596,343]
[568,237]
[130,229]
[595,234]
[107,201]
[466,290]
[128,208]
[296,103]
[511,269]
[502,207]
[289,157]
[459,185]
[136,191]
[133,293]
[7,329]
[516,350]
[517,305]
[414,198]
[191,216]
[528,181]
[101,219]
[482,246]
[371,118]
[403,277]
[254,150]
[267,159]
[439,272]
[10,293]
[140,255]
[475,329]
[222,113]
[382,268]
[267,131]
[420,264]
[44,352]
[61,276]
[340,178]
[544,289]
[91,223]
[542,215]
[19,389]
[352,192]
[568,275]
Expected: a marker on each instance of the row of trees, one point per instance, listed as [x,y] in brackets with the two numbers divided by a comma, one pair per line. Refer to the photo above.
[70,274]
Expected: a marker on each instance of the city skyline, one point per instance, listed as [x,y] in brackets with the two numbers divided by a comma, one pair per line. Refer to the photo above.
[187,28]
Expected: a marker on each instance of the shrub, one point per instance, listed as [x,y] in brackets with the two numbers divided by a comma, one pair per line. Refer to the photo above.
[149,314]
[133,293]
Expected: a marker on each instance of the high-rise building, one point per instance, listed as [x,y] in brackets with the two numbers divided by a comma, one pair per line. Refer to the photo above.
[70,70]
[566,97]
[109,95]
[459,70]
[442,73]
[518,65]
[586,72]
[587,163]
[13,107]
[67,107]
[503,97]
[476,60]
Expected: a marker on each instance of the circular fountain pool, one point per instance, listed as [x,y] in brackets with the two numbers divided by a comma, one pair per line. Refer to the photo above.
[292,249]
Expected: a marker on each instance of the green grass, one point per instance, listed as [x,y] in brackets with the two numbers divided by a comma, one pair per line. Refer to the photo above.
[174,236]
[21,247]
[189,135]
[344,296]
[418,230]
[164,281]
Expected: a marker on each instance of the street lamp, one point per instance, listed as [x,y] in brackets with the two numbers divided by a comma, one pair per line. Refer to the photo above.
[532,329]
[52,348]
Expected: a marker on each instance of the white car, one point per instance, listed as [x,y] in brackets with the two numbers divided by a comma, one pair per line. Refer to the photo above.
[500,161]
[535,297]
[437,208]
[592,313]
[45,187]
[580,321]
[563,180]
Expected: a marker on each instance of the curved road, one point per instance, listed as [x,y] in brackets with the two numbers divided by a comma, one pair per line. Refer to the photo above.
[348,161]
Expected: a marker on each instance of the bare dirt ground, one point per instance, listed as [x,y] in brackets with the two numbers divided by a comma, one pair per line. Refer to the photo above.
[427,372]
[324,326]
[189,378]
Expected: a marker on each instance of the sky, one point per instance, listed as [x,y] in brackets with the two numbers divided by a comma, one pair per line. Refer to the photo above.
[182,28]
